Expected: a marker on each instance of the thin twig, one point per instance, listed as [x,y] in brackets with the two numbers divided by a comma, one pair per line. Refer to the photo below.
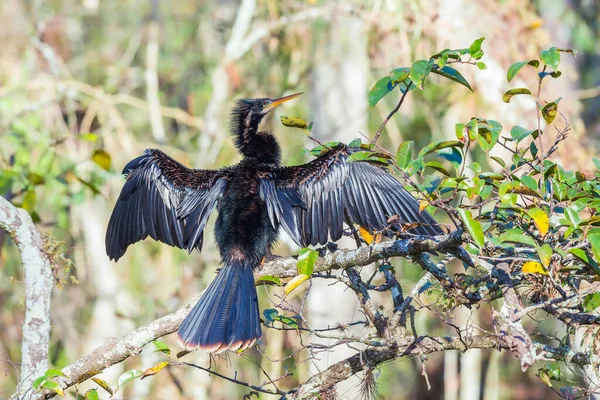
[391,114]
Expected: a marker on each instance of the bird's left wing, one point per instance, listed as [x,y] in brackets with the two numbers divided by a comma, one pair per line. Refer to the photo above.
[309,200]
[165,200]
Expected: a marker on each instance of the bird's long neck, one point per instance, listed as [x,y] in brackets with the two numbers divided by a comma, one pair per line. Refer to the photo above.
[261,147]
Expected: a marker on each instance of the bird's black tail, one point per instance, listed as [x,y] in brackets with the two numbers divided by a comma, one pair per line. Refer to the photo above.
[226,316]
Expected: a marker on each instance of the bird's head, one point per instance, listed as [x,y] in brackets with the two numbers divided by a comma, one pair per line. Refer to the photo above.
[245,119]
[248,113]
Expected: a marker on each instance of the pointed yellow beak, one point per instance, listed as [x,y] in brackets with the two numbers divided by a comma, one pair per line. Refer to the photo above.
[281,100]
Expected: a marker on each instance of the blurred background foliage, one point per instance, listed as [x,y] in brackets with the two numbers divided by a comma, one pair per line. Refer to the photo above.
[86,85]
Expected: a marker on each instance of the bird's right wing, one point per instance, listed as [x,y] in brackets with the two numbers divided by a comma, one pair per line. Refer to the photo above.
[309,200]
[165,200]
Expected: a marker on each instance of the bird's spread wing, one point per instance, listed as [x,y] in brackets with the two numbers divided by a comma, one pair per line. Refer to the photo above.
[309,200]
[165,200]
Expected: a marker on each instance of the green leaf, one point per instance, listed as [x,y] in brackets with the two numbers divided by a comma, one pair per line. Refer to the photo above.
[481,65]
[92,394]
[380,90]
[442,59]
[102,158]
[518,133]
[551,57]
[516,236]
[583,257]
[452,155]
[475,48]
[529,182]
[524,191]
[355,143]
[322,148]
[369,157]
[399,75]
[596,162]
[419,71]
[486,191]
[514,92]
[549,112]
[591,302]
[499,161]
[554,74]
[161,347]
[594,239]
[460,131]
[430,148]
[293,122]
[452,74]
[554,371]
[291,322]
[38,381]
[35,179]
[53,386]
[545,254]
[306,261]
[53,373]
[473,226]
[29,199]
[128,376]
[270,314]
[438,167]
[514,69]
[488,134]
[404,154]
[573,216]
[472,128]
[269,279]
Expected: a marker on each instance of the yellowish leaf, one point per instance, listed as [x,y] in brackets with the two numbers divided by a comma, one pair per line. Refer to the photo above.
[535,24]
[423,205]
[102,158]
[368,236]
[365,234]
[294,122]
[534,267]
[156,369]
[540,219]
[294,283]
[104,385]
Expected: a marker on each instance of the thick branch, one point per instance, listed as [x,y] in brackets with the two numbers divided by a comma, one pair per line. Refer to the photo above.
[38,288]
[117,350]
[371,358]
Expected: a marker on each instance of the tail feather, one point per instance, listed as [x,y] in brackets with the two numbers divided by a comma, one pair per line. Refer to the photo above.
[226,317]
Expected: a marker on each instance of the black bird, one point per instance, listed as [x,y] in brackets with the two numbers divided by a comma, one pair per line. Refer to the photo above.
[172,203]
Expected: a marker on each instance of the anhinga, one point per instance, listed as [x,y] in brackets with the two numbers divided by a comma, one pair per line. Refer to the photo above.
[172,203]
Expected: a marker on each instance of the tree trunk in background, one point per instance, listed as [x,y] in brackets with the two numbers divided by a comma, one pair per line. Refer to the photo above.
[491,384]
[92,218]
[470,361]
[338,110]
[451,376]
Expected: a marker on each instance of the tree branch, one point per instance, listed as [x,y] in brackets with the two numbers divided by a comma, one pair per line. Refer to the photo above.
[408,346]
[117,350]
[38,288]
